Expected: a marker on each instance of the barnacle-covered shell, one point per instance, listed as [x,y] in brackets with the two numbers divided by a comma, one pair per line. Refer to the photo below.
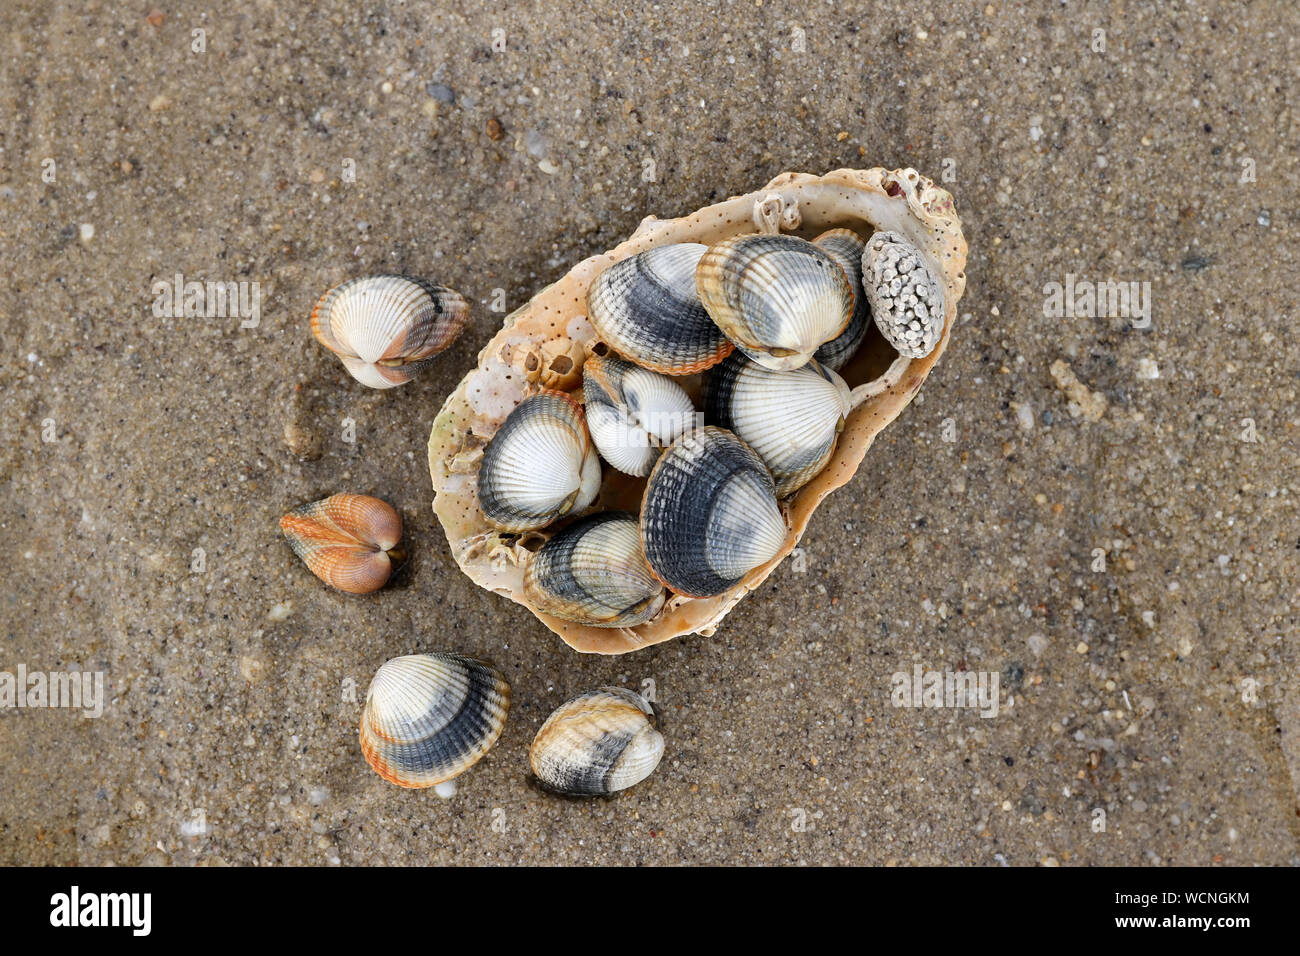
[845,246]
[710,514]
[351,542]
[777,298]
[647,310]
[542,344]
[594,572]
[540,465]
[386,327]
[791,419]
[430,717]
[597,743]
[905,297]
[632,412]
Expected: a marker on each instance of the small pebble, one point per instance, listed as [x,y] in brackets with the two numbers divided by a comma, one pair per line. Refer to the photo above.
[441,92]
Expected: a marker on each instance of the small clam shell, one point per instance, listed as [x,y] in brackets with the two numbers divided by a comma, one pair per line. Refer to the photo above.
[594,572]
[905,297]
[632,412]
[777,298]
[350,542]
[791,419]
[846,247]
[597,743]
[386,327]
[646,309]
[709,515]
[430,717]
[540,465]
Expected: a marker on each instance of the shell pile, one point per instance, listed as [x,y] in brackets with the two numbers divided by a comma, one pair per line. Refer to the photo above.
[729,368]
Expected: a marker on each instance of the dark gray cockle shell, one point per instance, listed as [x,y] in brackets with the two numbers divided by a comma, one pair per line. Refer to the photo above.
[430,717]
[709,515]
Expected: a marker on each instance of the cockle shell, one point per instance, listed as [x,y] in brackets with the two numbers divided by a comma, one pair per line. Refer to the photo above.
[542,345]
[386,327]
[351,542]
[845,246]
[646,309]
[710,514]
[791,419]
[430,717]
[777,298]
[594,572]
[597,743]
[632,412]
[905,297]
[540,466]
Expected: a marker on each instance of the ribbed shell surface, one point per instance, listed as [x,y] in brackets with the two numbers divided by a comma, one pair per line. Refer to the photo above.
[594,572]
[632,412]
[709,515]
[646,309]
[778,298]
[344,540]
[597,743]
[539,466]
[430,717]
[384,327]
[790,419]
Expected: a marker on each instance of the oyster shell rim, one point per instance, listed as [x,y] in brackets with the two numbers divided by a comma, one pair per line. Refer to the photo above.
[547,351]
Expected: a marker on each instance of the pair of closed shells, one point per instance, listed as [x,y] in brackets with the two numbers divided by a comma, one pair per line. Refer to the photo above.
[386,328]
[351,542]
[430,717]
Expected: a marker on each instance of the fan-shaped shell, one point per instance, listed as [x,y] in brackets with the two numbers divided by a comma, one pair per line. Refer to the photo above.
[540,466]
[632,412]
[594,572]
[710,514]
[430,717]
[647,310]
[777,298]
[386,327]
[350,542]
[845,246]
[791,419]
[597,743]
[542,345]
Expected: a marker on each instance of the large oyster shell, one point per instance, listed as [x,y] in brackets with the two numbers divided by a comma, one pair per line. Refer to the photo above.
[544,343]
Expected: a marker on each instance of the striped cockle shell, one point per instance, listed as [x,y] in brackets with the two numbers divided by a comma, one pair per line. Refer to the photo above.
[790,419]
[539,466]
[597,743]
[351,542]
[646,309]
[386,327]
[709,515]
[905,297]
[594,572]
[778,298]
[845,246]
[632,412]
[430,717]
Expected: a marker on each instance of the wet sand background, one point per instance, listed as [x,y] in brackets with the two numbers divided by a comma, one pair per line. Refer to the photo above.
[1162,690]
